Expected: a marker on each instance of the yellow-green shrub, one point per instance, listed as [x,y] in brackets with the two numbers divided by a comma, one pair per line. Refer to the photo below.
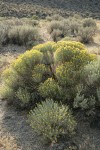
[47,71]
[73,52]
[21,75]
[52,120]
[47,49]
[26,62]
[50,89]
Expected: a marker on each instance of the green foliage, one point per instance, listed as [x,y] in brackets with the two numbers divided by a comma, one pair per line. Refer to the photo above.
[23,96]
[50,70]
[91,73]
[84,103]
[98,95]
[73,52]
[50,89]
[38,73]
[52,120]
[88,96]
[22,77]
[7,93]
[26,62]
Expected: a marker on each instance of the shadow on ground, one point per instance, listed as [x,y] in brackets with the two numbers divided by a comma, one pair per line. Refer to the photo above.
[15,123]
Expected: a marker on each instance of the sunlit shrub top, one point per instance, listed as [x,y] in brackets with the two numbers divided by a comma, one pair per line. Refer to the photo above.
[72,52]
[49,46]
[45,70]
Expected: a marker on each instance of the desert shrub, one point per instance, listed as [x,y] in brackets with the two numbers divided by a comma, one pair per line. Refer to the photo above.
[86,34]
[23,35]
[50,89]
[74,52]
[23,96]
[87,96]
[89,22]
[55,25]
[35,17]
[56,35]
[22,75]
[47,49]
[7,93]
[98,94]
[85,29]
[74,25]
[80,101]
[52,120]
[55,17]
[19,31]
[58,29]
[50,70]
[71,57]
[91,73]
[3,33]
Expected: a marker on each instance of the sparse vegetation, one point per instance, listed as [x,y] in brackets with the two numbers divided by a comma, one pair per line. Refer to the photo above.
[59,80]
[82,29]
[19,31]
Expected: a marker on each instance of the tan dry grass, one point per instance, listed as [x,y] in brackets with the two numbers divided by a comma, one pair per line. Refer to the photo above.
[8,143]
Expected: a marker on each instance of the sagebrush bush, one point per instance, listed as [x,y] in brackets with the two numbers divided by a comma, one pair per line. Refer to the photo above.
[55,17]
[52,120]
[86,34]
[3,33]
[54,25]
[23,35]
[50,70]
[19,31]
[89,22]
[84,29]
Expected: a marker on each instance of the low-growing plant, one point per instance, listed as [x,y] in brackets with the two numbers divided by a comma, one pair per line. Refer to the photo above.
[86,34]
[19,31]
[89,22]
[52,120]
[23,35]
[85,29]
